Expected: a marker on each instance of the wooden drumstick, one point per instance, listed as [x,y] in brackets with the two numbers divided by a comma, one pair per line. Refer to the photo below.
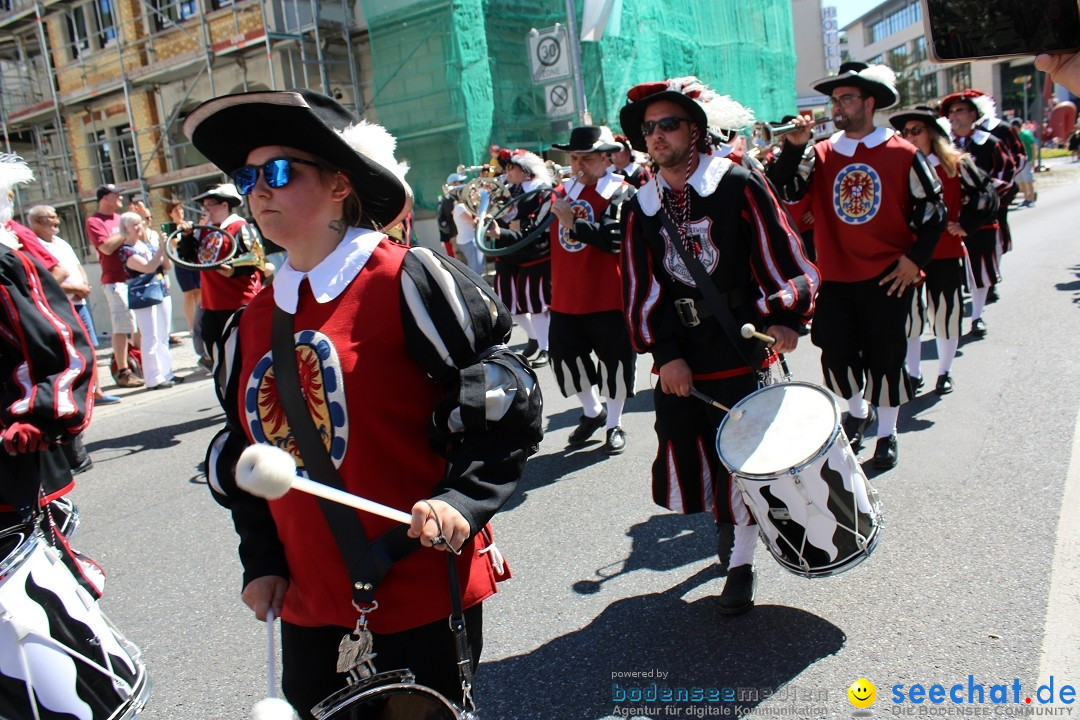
[270,472]
[749,331]
[735,414]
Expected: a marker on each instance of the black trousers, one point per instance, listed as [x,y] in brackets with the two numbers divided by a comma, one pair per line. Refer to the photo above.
[575,339]
[212,326]
[309,658]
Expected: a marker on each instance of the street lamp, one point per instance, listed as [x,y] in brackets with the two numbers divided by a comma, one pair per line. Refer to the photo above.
[1024,80]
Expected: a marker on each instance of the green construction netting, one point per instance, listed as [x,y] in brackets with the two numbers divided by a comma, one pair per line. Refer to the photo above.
[451,77]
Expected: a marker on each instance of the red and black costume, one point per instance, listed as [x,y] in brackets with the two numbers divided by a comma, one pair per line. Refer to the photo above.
[744,238]
[223,295]
[995,160]
[586,292]
[1004,133]
[523,278]
[874,200]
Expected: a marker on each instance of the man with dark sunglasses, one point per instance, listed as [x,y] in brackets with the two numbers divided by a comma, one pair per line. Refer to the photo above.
[878,214]
[725,218]
[226,289]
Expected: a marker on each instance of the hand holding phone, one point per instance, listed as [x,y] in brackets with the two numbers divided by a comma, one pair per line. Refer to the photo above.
[1062,68]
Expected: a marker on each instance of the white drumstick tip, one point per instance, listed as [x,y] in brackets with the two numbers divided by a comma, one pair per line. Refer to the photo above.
[748,330]
[736,413]
[265,471]
[272,709]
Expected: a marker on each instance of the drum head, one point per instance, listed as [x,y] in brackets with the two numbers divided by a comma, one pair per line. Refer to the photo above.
[782,426]
[387,696]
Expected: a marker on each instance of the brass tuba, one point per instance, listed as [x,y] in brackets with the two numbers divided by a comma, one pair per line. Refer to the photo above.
[765,135]
[185,251]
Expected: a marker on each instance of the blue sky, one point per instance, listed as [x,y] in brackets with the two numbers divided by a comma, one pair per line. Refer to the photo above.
[849,10]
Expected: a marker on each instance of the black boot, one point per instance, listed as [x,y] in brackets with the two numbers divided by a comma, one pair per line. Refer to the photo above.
[738,594]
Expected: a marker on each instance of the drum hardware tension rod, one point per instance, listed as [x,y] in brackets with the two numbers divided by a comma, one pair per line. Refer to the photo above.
[749,331]
[735,414]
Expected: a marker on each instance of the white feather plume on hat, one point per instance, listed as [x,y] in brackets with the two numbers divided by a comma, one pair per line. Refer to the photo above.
[533,165]
[375,142]
[986,105]
[13,171]
[725,113]
[879,73]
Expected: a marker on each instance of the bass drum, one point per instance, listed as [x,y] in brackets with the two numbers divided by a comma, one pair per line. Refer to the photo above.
[390,695]
[815,508]
[59,655]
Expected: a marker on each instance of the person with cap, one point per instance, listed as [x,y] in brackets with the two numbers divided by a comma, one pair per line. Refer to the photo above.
[402,367]
[993,158]
[444,213]
[878,214]
[586,289]
[523,277]
[47,376]
[627,165]
[225,289]
[971,201]
[728,220]
[103,231]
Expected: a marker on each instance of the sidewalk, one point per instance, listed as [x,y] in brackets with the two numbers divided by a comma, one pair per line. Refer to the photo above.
[185,365]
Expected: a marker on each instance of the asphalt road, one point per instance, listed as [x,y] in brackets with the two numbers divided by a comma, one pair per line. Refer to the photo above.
[606,584]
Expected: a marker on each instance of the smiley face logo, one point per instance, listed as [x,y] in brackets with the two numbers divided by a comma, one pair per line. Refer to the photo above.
[862,693]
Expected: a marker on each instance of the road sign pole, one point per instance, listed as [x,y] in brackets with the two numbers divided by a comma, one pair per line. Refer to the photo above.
[575,56]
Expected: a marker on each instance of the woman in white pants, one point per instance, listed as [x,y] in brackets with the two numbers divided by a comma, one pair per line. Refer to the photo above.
[140,256]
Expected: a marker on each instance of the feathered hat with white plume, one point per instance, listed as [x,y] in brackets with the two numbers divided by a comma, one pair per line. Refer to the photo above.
[688,92]
[227,128]
[13,171]
[533,165]
[726,117]
[878,81]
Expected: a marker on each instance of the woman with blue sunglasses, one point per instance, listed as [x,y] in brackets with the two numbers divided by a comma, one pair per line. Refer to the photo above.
[415,401]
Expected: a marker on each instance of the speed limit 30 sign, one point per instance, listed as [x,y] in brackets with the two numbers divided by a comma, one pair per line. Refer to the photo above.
[549,54]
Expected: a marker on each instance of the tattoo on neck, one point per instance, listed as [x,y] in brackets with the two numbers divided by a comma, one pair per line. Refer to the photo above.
[337,225]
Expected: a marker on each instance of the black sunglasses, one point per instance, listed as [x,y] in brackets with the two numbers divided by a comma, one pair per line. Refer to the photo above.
[277,173]
[667,124]
[913,131]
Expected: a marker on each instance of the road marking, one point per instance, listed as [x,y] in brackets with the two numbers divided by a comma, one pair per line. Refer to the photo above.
[1061,635]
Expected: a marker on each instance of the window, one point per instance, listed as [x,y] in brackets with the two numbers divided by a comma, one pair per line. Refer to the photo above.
[895,22]
[897,58]
[114,149]
[958,77]
[100,141]
[920,50]
[928,87]
[91,26]
[167,13]
[106,22]
[78,37]
[125,146]
[218,4]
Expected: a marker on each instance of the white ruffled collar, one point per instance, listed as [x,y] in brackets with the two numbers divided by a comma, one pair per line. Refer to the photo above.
[330,277]
[705,180]
[605,187]
[847,145]
[977,136]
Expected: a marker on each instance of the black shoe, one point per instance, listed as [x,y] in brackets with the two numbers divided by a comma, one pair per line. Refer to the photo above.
[855,427]
[916,385]
[586,427]
[542,358]
[992,295]
[886,454]
[175,341]
[738,594]
[616,441]
[206,364]
[944,384]
[978,327]
[530,348]
[83,466]
[162,386]
[177,380]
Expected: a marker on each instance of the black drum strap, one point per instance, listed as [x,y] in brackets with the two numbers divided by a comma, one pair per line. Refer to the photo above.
[461,637]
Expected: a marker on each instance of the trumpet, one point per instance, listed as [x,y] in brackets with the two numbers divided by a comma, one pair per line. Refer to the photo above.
[765,135]
[186,252]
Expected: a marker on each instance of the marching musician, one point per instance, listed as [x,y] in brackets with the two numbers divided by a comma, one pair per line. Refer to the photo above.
[995,160]
[225,289]
[1009,138]
[878,214]
[586,289]
[47,377]
[401,365]
[728,218]
[626,164]
[970,199]
[523,278]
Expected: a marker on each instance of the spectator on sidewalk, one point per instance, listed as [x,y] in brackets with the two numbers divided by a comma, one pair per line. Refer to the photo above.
[191,287]
[103,232]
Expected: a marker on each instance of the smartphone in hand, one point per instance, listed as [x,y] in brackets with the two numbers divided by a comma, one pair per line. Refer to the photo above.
[959,30]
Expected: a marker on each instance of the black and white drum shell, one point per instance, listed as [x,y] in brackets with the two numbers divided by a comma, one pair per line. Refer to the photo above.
[392,695]
[60,656]
[815,508]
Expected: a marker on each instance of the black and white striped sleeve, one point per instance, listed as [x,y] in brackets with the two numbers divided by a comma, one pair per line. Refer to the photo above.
[928,213]
[489,418]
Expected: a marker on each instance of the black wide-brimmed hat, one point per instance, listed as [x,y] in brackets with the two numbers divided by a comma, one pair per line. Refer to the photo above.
[875,80]
[226,192]
[926,114]
[590,138]
[687,92]
[227,128]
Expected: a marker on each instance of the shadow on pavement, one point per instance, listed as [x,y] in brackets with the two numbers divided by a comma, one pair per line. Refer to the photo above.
[572,676]
[663,542]
[167,436]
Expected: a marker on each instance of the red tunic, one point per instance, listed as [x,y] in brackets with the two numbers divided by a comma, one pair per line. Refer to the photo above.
[374,430]
[584,279]
[861,206]
[949,246]
[218,291]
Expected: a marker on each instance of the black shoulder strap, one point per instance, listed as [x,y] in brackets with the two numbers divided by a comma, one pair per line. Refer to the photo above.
[708,291]
[366,562]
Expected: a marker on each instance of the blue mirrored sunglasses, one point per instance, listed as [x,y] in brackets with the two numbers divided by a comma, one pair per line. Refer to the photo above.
[277,173]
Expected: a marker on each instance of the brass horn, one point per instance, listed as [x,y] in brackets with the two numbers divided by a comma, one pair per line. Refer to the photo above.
[766,135]
[188,253]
